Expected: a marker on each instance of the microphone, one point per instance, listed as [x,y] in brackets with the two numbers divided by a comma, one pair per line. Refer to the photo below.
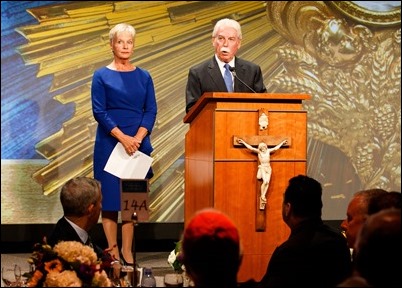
[233,70]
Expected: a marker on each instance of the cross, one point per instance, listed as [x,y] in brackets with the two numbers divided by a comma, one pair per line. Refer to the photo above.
[254,141]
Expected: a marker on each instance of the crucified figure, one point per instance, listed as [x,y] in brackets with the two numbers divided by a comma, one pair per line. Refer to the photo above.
[264,168]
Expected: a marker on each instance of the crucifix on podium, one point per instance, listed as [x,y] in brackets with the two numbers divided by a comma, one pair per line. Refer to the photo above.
[263,142]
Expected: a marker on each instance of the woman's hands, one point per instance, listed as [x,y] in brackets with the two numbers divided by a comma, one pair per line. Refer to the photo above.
[130,143]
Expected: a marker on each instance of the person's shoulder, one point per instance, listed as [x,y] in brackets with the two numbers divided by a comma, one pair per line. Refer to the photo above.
[61,221]
[330,230]
[58,227]
[331,234]
[202,65]
[101,71]
[142,71]
[244,62]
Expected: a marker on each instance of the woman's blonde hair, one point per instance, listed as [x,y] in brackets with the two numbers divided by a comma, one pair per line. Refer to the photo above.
[119,28]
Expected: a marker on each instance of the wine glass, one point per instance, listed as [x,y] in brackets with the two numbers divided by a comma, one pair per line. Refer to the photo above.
[114,274]
[173,280]
[127,276]
[8,276]
[119,274]
[18,275]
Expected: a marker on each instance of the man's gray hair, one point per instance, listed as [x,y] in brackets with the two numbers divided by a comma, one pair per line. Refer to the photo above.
[226,22]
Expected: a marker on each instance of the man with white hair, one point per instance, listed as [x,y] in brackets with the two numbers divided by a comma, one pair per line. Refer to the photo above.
[224,72]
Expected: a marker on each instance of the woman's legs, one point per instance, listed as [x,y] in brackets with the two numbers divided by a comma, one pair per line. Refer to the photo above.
[109,222]
[127,230]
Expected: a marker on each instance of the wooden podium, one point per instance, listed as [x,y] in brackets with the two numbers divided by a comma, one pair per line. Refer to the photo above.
[221,173]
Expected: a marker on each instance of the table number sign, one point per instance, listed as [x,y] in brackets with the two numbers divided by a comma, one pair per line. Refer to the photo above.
[134,198]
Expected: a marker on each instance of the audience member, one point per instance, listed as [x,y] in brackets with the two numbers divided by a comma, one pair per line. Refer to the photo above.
[378,251]
[211,249]
[209,76]
[81,199]
[314,255]
[384,200]
[357,213]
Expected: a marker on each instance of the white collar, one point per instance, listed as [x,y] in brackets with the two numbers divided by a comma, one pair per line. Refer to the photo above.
[221,64]
[81,232]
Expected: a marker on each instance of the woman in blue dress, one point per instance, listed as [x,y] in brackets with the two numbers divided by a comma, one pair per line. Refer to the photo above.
[124,105]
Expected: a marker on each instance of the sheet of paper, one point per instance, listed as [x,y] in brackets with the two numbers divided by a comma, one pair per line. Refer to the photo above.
[124,166]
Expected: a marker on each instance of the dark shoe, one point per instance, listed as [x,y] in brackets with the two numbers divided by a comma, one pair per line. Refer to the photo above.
[123,261]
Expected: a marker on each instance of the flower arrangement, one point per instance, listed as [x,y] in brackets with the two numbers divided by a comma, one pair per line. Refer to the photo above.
[175,258]
[68,264]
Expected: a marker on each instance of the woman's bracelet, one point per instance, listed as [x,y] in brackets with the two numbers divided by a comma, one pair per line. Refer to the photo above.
[138,140]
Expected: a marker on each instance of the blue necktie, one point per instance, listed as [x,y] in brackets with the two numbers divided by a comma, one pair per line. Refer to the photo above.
[228,78]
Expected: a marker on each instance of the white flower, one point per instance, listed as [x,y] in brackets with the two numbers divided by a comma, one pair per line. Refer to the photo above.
[172,258]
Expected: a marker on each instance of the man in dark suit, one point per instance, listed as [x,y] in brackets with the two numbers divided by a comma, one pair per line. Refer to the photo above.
[209,75]
[81,199]
[314,255]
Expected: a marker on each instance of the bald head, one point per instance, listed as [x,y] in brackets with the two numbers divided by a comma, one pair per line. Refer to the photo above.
[357,213]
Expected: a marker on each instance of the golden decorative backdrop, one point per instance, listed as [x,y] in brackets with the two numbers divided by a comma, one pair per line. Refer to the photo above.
[345,56]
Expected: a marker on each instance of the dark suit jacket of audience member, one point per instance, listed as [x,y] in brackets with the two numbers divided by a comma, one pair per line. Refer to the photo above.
[63,231]
[207,77]
[315,255]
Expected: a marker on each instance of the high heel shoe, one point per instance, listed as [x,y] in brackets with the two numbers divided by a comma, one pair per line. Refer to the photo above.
[123,261]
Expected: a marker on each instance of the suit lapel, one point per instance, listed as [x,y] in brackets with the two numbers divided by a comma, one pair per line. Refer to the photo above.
[241,73]
[216,76]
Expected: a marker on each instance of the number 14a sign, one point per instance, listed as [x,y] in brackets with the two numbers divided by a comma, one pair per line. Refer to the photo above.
[134,198]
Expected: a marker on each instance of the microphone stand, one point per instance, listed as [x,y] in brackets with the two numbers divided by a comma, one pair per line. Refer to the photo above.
[135,283]
[233,70]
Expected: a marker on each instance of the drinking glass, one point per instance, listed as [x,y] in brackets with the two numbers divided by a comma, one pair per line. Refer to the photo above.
[11,277]
[18,275]
[173,280]
[114,274]
[126,276]
[121,275]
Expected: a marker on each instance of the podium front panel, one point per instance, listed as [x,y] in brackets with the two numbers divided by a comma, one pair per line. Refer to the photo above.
[221,175]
